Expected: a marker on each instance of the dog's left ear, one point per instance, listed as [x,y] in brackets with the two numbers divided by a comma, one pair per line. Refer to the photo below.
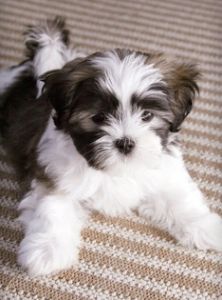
[183,89]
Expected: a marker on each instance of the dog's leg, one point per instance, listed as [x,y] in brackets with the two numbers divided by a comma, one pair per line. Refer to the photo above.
[52,224]
[179,207]
[47,45]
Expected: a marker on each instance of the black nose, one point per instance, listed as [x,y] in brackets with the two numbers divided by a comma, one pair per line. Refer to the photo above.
[125,145]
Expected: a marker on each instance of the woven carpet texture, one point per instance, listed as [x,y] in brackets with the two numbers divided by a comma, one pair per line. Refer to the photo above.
[126,258]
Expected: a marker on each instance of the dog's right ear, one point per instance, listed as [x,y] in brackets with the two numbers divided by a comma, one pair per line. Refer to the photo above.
[59,88]
[61,85]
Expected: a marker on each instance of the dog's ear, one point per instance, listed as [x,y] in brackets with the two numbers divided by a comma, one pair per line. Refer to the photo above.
[183,89]
[57,85]
[60,86]
[58,90]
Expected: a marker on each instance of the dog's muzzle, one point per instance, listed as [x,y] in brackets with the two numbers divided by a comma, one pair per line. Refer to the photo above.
[125,145]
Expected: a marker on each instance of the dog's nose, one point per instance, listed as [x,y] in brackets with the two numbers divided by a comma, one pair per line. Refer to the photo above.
[125,145]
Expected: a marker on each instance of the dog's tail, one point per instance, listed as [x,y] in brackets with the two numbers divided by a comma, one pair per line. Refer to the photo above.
[47,46]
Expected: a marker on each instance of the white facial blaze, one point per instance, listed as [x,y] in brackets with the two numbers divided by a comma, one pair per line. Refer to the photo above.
[124,78]
[128,76]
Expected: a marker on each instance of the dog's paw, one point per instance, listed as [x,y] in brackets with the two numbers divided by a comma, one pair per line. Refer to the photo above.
[205,234]
[41,255]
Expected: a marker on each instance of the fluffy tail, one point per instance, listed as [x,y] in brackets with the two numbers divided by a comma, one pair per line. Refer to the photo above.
[47,46]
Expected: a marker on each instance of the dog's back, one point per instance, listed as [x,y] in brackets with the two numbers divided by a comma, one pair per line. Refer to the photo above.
[22,117]
[23,114]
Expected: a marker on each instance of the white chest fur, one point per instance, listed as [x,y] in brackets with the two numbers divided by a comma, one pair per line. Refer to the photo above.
[115,191]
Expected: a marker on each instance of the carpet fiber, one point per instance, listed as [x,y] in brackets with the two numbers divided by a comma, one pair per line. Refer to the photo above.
[126,258]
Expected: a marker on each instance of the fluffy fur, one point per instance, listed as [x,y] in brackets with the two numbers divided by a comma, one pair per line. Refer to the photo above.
[101,136]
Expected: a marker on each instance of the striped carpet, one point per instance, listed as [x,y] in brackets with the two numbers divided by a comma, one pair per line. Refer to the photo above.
[125,258]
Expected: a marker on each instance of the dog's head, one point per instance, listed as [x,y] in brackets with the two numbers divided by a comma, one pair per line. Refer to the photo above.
[121,106]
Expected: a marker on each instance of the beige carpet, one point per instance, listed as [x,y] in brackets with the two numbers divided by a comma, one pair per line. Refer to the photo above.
[127,258]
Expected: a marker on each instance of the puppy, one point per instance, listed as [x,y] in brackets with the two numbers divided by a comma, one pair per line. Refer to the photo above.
[102,135]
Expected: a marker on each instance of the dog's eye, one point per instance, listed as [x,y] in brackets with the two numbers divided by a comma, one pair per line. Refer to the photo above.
[147,115]
[99,118]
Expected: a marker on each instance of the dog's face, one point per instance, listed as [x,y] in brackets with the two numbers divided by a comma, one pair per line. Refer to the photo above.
[121,106]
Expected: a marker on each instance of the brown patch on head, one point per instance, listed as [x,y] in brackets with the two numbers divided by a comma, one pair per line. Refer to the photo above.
[183,86]
[181,82]
[83,119]
[181,79]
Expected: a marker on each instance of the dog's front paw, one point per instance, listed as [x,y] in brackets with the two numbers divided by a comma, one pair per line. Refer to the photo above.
[41,255]
[205,234]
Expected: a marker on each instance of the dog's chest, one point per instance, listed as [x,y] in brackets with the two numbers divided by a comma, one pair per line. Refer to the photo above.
[121,191]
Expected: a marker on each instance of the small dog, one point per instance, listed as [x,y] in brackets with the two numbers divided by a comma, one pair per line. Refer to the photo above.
[102,135]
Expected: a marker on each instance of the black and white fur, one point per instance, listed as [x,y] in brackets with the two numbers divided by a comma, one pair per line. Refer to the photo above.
[102,136]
